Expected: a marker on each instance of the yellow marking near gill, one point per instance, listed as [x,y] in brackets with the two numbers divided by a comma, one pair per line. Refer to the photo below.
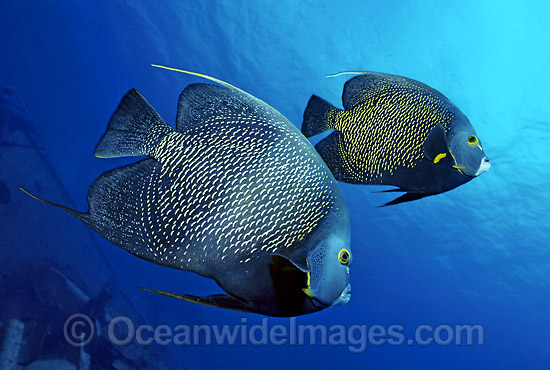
[308,289]
[440,157]
[456,166]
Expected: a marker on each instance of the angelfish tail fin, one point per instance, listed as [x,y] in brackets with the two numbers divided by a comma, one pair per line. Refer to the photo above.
[316,116]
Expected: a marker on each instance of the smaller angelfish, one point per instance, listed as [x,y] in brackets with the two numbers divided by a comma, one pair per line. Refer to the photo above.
[396,131]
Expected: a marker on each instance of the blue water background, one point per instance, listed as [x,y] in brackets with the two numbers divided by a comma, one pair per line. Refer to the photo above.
[478,254]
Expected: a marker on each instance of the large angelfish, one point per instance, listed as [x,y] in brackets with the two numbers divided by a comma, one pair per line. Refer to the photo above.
[235,194]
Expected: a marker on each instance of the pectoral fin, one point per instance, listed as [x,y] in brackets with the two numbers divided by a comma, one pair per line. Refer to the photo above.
[216,300]
[435,147]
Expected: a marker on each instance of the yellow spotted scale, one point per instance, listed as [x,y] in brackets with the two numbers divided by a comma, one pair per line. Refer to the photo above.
[396,131]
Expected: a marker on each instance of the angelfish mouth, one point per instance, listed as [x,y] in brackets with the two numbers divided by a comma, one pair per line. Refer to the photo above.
[484,166]
[345,296]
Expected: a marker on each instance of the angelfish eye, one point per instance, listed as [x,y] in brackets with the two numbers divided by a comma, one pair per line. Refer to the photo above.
[344,256]
[473,140]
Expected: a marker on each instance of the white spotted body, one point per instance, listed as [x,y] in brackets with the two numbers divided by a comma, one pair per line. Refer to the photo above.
[235,193]
[230,191]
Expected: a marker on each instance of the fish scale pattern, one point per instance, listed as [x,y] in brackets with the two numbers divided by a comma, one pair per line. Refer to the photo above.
[230,190]
[386,128]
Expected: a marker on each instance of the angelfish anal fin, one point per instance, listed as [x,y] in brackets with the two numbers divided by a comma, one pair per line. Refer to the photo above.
[435,146]
[217,300]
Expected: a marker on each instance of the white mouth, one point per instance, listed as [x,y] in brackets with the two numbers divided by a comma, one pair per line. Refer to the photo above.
[484,166]
[344,297]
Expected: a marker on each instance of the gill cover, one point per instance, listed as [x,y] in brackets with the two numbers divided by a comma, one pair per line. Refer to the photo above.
[467,152]
[462,146]
[328,275]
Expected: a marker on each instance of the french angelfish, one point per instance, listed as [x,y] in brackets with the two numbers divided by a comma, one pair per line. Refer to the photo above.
[396,131]
[235,194]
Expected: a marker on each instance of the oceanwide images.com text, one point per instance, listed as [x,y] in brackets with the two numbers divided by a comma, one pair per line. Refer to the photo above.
[79,330]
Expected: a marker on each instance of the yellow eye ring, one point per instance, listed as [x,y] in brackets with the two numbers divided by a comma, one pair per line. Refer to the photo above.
[344,256]
[473,140]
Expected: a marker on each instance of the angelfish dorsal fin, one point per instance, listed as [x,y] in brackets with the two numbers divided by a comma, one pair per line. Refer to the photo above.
[217,101]
[198,103]
[435,146]
[358,87]
[134,129]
